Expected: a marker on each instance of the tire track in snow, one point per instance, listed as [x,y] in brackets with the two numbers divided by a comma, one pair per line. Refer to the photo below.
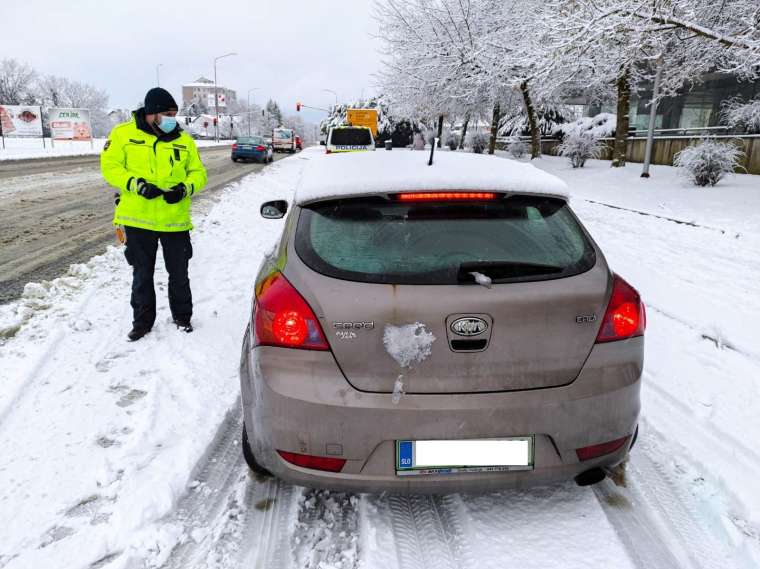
[273,533]
[218,502]
[426,532]
[658,525]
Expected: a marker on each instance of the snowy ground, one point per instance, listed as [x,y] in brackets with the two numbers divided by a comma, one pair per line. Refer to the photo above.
[23,148]
[122,455]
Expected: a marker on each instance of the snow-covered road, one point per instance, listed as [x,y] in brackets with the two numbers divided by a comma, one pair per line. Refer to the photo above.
[124,455]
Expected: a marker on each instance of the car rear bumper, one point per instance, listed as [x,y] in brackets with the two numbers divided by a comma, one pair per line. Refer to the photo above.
[250,154]
[298,401]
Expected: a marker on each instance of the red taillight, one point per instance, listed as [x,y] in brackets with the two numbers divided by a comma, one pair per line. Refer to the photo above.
[283,318]
[326,463]
[260,148]
[594,451]
[625,316]
[328,151]
[234,147]
[445,196]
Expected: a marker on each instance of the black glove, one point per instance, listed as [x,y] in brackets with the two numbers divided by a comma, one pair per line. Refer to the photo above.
[146,189]
[175,194]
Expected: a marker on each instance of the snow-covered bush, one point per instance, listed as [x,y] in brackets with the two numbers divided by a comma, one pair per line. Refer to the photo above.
[452,141]
[517,148]
[579,147]
[600,126]
[707,162]
[477,141]
[736,112]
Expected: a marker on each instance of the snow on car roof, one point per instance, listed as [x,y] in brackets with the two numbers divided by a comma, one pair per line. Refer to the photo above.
[358,173]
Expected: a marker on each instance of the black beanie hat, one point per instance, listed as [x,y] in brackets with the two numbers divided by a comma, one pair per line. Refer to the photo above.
[159,100]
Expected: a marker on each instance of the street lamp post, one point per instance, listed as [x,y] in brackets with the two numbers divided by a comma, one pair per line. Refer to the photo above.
[249,108]
[334,93]
[216,96]
[158,78]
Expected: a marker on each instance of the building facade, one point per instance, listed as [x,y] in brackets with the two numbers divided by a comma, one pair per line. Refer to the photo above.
[694,108]
[201,92]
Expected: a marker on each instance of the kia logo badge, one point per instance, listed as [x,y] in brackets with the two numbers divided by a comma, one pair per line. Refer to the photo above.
[469,326]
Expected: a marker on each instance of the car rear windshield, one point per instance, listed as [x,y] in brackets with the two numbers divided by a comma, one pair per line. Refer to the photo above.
[283,133]
[350,137]
[381,240]
[251,140]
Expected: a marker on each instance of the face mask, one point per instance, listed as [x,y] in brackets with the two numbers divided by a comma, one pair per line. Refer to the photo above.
[167,124]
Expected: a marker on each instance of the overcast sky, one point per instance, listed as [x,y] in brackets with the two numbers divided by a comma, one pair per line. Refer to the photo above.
[290,49]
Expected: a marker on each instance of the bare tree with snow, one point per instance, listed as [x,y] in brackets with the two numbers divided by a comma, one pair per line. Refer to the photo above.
[16,82]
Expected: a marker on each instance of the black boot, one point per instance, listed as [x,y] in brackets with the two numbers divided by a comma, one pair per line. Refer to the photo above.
[137,332]
[183,324]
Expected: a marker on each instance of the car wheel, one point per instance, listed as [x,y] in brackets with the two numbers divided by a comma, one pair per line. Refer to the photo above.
[234,159]
[250,459]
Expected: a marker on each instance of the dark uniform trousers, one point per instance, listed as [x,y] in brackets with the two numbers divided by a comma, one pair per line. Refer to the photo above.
[142,245]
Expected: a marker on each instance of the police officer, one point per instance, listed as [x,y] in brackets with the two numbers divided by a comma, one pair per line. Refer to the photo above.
[156,168]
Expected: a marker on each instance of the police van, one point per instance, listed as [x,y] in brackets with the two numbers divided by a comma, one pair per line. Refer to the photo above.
[350,139]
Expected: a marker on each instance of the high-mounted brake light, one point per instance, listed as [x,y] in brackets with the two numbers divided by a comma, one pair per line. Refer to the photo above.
[283,318]
[327,463]
[445,196]
[625,316]
[594,451]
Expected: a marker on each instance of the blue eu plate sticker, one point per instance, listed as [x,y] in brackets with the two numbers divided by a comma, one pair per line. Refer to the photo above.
[404,454]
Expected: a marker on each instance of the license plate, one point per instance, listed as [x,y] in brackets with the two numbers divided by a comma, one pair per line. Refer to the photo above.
[470,455]
[243,147]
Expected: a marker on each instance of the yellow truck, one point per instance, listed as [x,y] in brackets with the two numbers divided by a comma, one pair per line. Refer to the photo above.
[363,117]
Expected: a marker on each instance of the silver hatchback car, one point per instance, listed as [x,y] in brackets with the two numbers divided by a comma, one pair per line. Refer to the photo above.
[437,328]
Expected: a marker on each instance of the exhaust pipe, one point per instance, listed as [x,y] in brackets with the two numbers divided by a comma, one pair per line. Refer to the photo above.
[589,477]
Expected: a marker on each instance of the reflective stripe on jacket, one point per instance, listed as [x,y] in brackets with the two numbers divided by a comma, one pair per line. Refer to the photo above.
[131,153]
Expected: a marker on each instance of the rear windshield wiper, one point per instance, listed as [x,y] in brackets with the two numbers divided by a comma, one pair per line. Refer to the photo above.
[498,270]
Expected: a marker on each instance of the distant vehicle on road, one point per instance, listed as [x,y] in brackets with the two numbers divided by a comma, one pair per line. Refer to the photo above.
[252,148]
[284,140]
[299,143]
[350,139]
[444,328]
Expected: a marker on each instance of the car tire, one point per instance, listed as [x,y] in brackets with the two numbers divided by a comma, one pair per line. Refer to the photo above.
[250,460]
[234,159]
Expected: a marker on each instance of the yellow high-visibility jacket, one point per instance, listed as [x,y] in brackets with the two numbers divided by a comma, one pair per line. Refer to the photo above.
[131,153]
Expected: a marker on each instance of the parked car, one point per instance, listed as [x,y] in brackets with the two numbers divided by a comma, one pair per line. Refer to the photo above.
[284,140]
[443,328]
[299,143]
[251,148]
[349,139]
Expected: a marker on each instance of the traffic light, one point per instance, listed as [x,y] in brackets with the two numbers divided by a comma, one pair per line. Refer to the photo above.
[216,121]
[298,107]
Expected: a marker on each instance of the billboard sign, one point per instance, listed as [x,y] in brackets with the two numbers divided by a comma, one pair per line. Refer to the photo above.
[21,120]
[70,124]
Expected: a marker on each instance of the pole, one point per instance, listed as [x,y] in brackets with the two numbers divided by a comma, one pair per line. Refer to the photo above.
[652,119]
[216,107]
[158,77]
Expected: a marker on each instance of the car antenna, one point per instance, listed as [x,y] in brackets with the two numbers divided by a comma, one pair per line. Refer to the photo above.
[432,151]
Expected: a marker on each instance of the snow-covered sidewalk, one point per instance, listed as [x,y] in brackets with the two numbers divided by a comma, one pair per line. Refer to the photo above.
[99,436]
[694,258]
